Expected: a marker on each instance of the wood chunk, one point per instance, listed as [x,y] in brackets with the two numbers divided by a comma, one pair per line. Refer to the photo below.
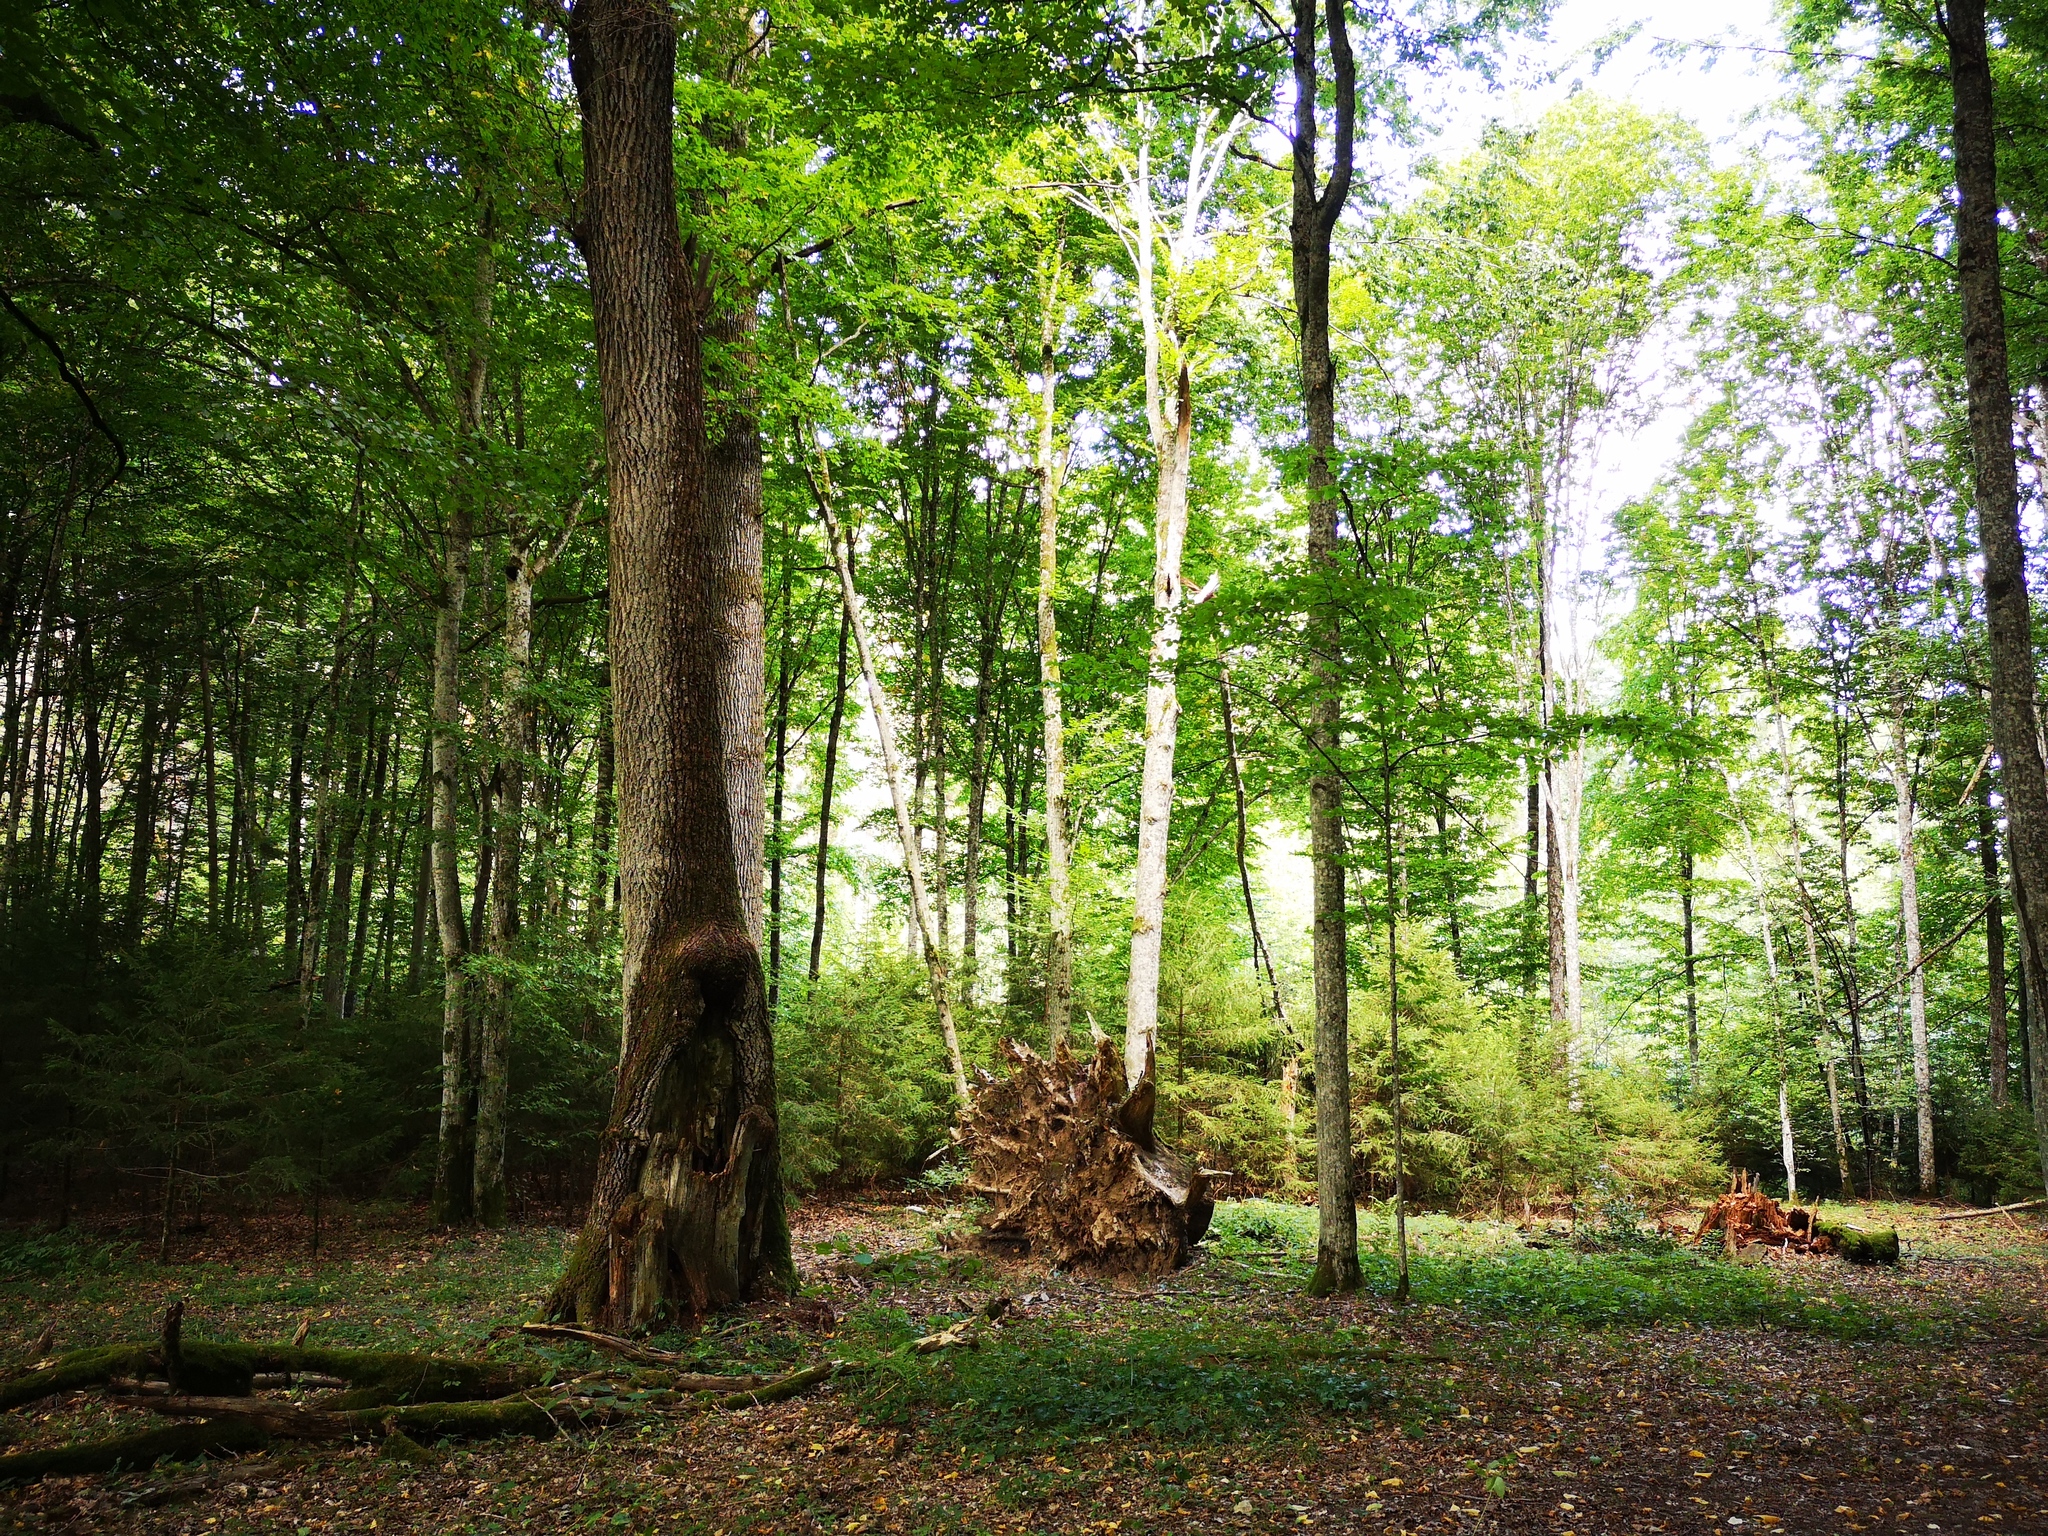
[1065,1154]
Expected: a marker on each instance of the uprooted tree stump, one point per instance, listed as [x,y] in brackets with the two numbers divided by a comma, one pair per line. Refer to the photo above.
[1064,1152]
[1746,1215]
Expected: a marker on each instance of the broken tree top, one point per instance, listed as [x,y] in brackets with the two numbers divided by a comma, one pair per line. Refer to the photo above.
[1064,1152]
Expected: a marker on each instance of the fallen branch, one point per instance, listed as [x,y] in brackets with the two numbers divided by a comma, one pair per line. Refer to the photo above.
[527,1414]
[1996,1210]
[209,1369]
[680,1381]
[796,1383]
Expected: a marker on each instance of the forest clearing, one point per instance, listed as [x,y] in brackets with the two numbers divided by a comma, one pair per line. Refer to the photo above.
[1023,765]
[1613,1386]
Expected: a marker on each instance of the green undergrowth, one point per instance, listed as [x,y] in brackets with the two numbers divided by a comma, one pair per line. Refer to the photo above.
[1486,1269]
[1159,1376]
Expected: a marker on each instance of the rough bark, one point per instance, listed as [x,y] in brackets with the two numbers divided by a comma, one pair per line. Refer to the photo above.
[1059,907]
[1315,211]
[1064,1152]
[686,1212]
[2015,724]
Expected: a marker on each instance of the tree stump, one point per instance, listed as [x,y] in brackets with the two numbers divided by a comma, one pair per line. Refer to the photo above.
[1064,1153]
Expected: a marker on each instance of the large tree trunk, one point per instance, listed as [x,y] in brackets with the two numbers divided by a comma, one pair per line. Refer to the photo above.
[1059,905]
[686,1212]
[2015,725]
[1314,218]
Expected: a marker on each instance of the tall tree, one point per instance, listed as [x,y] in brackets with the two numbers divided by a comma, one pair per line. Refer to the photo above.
[687,1209]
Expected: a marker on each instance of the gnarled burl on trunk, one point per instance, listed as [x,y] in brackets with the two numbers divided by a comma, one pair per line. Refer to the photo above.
[1065,1155]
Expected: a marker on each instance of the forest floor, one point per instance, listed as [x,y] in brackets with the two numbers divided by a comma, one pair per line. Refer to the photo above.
[1580,1388]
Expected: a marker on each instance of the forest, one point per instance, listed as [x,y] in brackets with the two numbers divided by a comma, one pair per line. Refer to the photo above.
[1089,763]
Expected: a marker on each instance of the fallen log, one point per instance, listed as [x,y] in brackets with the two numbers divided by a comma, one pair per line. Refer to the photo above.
[527,1414]
[210,1369]
[134,1453]
[1861,1245]
[1065,1153]
[1996,1210]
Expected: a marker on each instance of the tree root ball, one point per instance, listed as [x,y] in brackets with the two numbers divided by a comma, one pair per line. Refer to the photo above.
[1064,1153]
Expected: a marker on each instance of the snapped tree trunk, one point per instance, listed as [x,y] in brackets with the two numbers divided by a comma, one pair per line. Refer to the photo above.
[686,1212]
[2015,723]
[1315,211]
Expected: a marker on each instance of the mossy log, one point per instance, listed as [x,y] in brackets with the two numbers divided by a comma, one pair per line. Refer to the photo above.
[135,1453]
[209,1369]
[1861,1245]
[1065,1154]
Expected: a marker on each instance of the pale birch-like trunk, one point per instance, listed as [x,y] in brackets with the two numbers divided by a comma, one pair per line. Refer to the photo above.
[1162,729]
[892,770]
[1059,935]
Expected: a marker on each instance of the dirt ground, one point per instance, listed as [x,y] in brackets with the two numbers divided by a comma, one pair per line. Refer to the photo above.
[1220,1398]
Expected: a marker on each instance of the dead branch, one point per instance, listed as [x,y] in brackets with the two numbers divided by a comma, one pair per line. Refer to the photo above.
[1996,1210]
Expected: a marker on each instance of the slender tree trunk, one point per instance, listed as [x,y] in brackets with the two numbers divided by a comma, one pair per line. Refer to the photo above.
[1314,217]
[1162,729]
[1262,958]
[885,734]
[1916,977]
[686,1212]
[455,1151]
[1852,992]
[1059,905]
[207,770]
[977,807]
[143,843]
[825,801]
[1692,990]
[1998,1045]
[518,747]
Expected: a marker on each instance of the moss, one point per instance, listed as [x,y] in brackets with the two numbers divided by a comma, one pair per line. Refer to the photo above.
[399,1446]
[480,1421]
[79,1369]
[177,1442]
[213,1369]
[1862,1245]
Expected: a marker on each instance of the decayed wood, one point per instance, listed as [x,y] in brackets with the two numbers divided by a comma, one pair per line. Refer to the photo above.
[1995,1210]
[1064,1152]
[1747,1215]
[680,1381]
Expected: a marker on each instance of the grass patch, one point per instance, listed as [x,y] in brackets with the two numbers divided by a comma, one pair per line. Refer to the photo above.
[1200,1378]
[1482,1268]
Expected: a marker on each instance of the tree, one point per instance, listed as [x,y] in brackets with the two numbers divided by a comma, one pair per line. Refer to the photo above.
[687,1209]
